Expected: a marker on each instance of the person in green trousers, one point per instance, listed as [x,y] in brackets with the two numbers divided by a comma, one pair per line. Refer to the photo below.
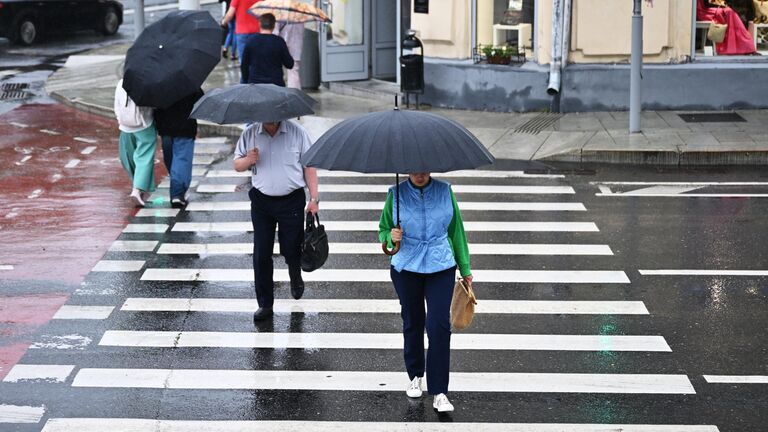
[138,141]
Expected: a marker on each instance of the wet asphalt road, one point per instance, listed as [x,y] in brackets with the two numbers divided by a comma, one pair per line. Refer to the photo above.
[712,324]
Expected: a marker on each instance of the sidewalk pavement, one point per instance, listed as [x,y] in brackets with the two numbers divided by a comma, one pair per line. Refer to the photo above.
[87,82]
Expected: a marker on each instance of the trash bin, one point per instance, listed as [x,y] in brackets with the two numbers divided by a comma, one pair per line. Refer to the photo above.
[309,73]
[412,67]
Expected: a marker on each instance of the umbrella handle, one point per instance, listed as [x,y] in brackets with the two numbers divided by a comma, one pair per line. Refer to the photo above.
[390,252]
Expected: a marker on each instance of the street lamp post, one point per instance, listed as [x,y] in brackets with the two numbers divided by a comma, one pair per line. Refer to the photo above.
[189,4]
[636,74]
[138,18]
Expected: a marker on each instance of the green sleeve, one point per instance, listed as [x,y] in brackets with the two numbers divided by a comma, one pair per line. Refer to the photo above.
[386,223]
[458,239]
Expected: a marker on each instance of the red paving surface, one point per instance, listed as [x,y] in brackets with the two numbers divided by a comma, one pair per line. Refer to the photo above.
[57,222]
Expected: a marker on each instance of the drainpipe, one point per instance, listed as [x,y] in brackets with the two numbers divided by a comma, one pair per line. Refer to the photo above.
[555,61]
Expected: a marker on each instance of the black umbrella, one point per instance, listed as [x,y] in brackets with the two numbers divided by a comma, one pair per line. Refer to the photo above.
[246,103]
[172,58]
[397,142]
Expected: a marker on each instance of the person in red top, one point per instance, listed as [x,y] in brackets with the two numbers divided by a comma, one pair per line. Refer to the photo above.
[246,24]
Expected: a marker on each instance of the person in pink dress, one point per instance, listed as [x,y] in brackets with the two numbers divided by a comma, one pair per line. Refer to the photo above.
[738,41]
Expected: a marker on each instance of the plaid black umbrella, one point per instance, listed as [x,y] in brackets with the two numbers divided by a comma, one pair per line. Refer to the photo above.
[172,58]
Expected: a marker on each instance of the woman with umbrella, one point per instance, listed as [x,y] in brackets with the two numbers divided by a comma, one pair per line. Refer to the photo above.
[432,244]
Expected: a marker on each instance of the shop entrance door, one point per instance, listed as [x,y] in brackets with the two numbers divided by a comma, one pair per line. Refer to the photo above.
[345,44]
[384,40]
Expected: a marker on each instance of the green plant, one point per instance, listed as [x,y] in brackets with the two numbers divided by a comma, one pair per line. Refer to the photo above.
[499,55]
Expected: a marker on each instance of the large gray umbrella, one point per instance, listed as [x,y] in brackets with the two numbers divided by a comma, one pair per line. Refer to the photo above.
[246,103]
[397,142]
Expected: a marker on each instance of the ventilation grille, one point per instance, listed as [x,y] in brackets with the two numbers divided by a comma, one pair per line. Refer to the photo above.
[719,117]
[538,123]
[11,91]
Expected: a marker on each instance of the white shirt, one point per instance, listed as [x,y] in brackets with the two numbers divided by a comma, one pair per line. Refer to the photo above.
[130,118]
[278,171]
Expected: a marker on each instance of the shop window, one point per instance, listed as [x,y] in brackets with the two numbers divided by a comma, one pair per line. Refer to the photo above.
[505,23]
[742,25]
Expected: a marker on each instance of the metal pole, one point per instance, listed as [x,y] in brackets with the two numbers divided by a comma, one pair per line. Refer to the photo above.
[189,4]
[636,74]
[138,18]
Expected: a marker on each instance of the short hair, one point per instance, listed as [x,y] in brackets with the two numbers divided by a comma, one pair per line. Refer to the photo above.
[267,21]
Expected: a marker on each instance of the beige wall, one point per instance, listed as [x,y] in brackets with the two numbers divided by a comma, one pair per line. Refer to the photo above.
[446,29]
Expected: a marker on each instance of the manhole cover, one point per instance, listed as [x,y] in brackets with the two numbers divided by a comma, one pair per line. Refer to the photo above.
[723,117]
[538,123]
[8,95]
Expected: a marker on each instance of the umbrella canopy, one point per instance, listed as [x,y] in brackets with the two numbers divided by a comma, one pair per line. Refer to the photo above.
[289,11]
[246,103]
[172,58]
[397,142]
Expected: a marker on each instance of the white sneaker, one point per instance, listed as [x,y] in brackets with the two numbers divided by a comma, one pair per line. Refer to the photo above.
[414,388]
[137,198]
[441,403]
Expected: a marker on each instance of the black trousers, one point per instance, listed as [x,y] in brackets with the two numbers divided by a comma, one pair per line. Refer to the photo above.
[267,213]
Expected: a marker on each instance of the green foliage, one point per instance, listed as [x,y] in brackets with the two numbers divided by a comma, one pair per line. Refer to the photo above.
[505,51]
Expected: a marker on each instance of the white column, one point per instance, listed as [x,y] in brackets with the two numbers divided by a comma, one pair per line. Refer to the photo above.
[189,4]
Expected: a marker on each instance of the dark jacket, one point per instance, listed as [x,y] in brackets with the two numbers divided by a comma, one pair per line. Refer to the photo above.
[174,120]
[263,59]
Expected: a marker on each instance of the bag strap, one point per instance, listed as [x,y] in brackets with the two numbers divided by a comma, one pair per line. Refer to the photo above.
[311,220]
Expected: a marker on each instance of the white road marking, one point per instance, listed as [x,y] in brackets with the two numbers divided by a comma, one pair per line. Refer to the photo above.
[688,195]
[135,425]
[199,171]
[88,150]
[698,184]
[72,163]
[73,312]
[374,226]
[50,132]
[133,246]
[21,414]
[145,228]
[43,372]
[118,266]
[166,183]
[374,205]
[56,177]
[21,125]
[211,140]
[375,188]
[202,160]
[24,159]
[736,379]
[388,341]
[87,141]
[377,275]
[375,249]
[282,306]
[662,189]
[210,149]
[462,173]
[6,267]
[35,193]
[380,381]
[62,342]
[157,212]
[704,272]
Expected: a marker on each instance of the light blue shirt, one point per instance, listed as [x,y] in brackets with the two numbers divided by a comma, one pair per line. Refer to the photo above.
[278,171]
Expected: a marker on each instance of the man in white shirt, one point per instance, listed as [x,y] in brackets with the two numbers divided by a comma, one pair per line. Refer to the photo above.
[272,152]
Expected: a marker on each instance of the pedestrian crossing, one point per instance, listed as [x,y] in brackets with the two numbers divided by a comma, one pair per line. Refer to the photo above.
[168,313]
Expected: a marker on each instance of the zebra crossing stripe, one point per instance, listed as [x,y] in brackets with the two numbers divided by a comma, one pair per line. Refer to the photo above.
[229,379]
[704,272]
[375,205]
[736,379]
[374,226]
[461,173]
[559,307]
[157,212]
[134,425]
[21,414]
[377,275]
[202,159]
[118,266]
[165,184]
[72,312]
[133,246]
[375,249]
[211,140]
[378,188]
[146,228]
[387,341]
[43,372]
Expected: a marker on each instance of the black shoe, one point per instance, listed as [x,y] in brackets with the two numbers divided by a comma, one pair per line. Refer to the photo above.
[178,203]
[297,283]
[224,53]
[262,314]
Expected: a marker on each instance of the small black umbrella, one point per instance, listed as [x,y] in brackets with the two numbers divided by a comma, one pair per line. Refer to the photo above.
[172,58]
[245,103]
[397,142]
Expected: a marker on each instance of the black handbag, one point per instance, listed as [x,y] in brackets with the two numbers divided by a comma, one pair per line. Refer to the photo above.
[314,249]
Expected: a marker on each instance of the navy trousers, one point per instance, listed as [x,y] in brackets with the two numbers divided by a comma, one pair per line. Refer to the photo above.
[437,288]
[267,212]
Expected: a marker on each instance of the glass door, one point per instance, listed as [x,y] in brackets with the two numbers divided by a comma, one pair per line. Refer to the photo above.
[344,51]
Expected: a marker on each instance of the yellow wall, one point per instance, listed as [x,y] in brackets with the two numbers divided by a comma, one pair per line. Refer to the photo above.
[446,29]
